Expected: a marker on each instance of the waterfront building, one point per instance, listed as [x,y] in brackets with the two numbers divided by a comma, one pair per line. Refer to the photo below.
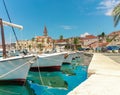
[114,38]
[68,43]
[37,44]
[25,44]
[60,44]
[88,39]
[44,43]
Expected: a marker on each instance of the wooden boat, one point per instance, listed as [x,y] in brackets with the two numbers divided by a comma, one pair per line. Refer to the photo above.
[48,62]
[13,70]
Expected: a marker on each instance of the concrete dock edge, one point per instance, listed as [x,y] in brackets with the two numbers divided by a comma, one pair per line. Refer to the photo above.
[104,78]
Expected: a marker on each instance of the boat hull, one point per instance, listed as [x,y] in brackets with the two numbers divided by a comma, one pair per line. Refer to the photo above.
[14,70]
[46,68]
[48,62]
[13,82]
[71,56]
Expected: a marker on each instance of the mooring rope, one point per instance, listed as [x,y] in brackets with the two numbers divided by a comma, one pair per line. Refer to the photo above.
[40,76]
[27,74]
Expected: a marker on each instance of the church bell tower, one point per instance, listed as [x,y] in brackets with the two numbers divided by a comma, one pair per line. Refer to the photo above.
[45,31]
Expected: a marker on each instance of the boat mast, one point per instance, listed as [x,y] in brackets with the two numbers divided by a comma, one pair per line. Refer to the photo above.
[3,39]
[2,33]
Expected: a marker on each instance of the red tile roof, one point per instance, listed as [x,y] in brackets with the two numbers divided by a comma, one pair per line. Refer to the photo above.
[43,37]
[114,33]
[97,44]
[88,37]
[58,41]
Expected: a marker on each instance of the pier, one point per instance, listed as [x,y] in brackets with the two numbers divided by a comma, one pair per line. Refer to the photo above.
[103,77]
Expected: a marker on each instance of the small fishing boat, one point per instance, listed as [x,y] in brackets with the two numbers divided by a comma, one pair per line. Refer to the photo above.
[13,69]
[71,55]
[49,62]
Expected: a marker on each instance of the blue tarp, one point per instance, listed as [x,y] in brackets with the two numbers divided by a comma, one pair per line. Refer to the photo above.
[113,48]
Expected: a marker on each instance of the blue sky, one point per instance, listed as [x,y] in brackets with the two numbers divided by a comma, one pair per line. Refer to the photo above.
[69,18]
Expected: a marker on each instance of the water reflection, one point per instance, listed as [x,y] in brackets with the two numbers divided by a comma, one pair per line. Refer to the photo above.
[67,69]
[15,90]
[49,79]
[53,83]
[59,83]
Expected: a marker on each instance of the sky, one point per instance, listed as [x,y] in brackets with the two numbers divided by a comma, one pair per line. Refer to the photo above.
[69,18]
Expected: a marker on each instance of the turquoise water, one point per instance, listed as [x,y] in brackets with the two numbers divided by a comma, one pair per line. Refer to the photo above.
[50,83]
[15,90]
[58,83]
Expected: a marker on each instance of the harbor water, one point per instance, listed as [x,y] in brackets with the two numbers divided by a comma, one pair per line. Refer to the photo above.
[58,83]
[51,83]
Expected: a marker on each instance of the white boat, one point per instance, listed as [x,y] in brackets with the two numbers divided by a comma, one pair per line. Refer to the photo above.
[48,62]
[13,70]
[70,56]
[1,52]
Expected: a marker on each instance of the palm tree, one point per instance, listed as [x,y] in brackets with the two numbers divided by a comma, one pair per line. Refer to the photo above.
[116,14]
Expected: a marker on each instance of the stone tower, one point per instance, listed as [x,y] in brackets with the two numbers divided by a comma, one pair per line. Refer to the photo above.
[45,31]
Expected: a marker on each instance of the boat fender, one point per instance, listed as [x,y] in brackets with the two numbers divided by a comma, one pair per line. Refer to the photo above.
[66,55]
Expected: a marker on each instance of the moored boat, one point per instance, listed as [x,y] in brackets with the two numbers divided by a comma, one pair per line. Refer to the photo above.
[13,69]
[70,56]
[1,52]
[48,62]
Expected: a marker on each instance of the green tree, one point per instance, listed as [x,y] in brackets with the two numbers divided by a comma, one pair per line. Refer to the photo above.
[39,46]
[61,37]
[29,47]
[116,14]
[67,46]
[76,42]
[53,44]
[33,39]
[108,39]
[101,37]
[102,34]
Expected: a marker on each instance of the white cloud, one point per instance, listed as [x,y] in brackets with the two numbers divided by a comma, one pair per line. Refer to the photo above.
[85,34]
[107,6]
[66,27]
